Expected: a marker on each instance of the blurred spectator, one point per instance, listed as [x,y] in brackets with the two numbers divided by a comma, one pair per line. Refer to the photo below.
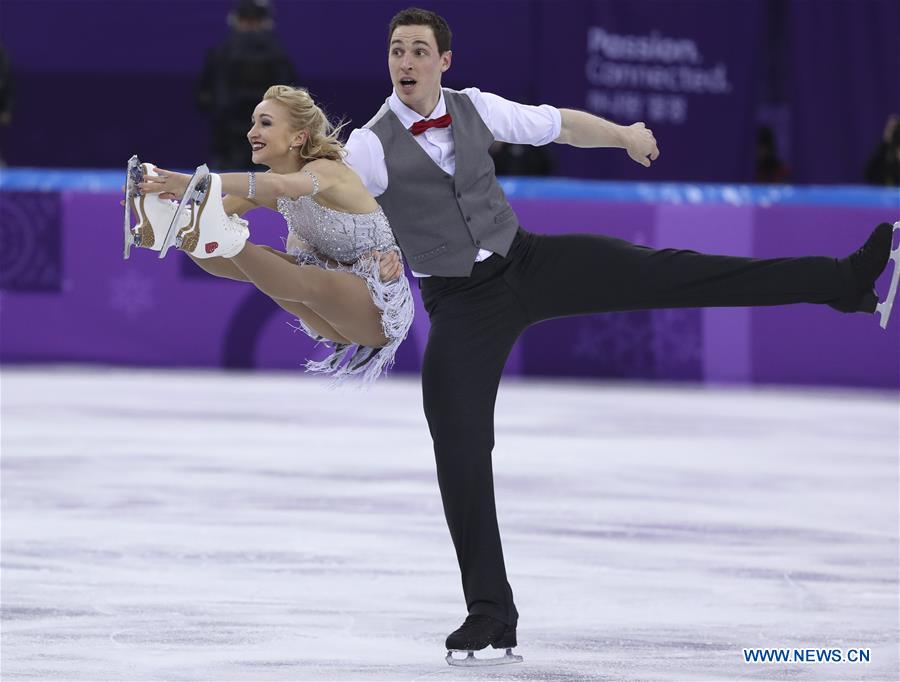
[884,164]
[234,78]
[6,92]
[769,167]
[520,159]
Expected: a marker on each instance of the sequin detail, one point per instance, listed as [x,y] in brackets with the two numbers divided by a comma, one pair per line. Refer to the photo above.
[334,240]
[315,182]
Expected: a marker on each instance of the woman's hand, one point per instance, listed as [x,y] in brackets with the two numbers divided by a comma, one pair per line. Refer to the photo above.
[168,184]
[389,266]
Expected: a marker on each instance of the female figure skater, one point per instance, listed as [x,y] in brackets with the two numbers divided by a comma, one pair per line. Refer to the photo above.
[332,276]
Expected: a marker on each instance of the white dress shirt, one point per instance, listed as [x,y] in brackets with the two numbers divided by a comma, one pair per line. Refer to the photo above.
[508,122]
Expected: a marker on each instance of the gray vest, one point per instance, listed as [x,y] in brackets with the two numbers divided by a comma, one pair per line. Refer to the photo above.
[441,220]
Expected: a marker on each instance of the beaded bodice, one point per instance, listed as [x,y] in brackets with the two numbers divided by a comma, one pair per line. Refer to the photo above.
[343,237]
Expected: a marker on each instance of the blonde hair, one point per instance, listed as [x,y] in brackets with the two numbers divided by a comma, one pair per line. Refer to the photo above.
[322,137]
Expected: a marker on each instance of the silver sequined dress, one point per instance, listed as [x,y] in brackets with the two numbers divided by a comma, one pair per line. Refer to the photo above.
[334,240]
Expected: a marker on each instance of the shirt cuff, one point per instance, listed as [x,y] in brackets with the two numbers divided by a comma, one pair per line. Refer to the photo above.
[556,129]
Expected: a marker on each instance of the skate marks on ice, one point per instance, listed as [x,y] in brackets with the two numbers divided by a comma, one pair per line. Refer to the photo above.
[263,528]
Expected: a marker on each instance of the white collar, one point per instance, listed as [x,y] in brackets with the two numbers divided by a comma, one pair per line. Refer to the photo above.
[407,116]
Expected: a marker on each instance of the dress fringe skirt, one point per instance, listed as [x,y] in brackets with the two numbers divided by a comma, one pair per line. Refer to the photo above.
[352,362]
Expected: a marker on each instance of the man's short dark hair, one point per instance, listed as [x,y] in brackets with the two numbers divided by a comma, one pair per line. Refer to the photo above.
[413,16]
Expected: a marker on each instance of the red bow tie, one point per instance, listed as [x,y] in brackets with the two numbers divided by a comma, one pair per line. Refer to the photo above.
[420,127]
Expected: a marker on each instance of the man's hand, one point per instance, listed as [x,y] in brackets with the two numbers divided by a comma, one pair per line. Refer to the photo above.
[389,266]
[640,144]
[581,129]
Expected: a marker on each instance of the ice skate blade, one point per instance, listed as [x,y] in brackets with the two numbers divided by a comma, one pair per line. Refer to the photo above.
[130,172]
[187,202]
[884,308]
[470,661]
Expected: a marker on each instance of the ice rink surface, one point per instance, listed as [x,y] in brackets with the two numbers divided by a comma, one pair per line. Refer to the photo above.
[208,526]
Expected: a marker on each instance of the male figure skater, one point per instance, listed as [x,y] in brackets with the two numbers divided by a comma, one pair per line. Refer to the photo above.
[484,279]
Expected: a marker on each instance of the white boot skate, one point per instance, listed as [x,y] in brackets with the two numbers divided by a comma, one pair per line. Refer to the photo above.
[153,214]
[209,233]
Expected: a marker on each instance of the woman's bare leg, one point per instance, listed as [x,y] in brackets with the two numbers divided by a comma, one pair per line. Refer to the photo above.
[220,267]
[313,321]
[342,299]
[223,267]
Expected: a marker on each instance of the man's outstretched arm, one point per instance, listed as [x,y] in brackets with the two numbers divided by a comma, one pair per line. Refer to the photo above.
[581,129]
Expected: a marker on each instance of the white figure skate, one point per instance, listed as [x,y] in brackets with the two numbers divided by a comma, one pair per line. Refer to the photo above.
[186,207]
[884,308]
[209,232]
[153,215]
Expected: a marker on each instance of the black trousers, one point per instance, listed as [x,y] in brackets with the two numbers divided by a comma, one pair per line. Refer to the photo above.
[476,320]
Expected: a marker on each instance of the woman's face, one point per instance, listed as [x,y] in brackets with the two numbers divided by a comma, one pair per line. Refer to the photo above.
[271,136]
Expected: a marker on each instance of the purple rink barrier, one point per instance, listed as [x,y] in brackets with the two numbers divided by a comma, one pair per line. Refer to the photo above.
[67,295]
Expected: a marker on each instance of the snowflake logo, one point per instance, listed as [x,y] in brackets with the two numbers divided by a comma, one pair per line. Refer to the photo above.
[619,343]
[677,337]
[131,294]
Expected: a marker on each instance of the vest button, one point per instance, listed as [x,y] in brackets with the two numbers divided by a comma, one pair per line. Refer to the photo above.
[459,195]
[478,243]
[468,219]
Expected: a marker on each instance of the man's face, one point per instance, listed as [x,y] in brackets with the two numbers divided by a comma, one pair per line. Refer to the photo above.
[416,67]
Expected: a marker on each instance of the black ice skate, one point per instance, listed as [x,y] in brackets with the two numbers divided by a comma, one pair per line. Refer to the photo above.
[865,266]
[476,633]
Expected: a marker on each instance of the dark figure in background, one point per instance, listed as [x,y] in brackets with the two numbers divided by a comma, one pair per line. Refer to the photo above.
[520,159]
[234,78]
[884,164]
[6,92]
[769,167]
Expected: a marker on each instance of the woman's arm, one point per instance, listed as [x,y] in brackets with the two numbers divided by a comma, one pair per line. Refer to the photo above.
[329,174]
[230,203]
[239,205]
[269,186]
